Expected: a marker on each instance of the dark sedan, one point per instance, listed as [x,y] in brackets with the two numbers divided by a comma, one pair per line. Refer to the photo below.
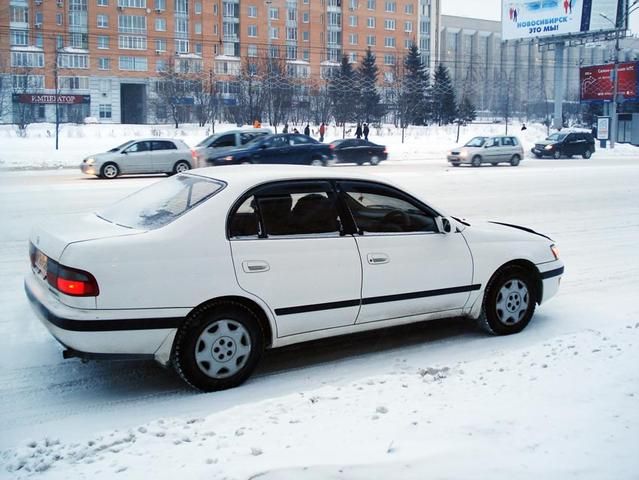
[354,150]
[289,148]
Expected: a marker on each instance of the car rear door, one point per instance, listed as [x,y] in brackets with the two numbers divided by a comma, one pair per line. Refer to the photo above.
[409,268]
[289,250]
[137,158]
[164,154]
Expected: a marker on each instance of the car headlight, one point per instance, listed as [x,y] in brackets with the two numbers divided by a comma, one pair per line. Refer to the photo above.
[228,158]
[90,161]
[548,147]
[463,154]
[555,251]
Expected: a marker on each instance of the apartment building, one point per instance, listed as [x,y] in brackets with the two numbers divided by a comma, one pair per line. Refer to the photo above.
[103,58]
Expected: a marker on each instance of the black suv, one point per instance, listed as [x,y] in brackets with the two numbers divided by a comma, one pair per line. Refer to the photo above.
[565,144]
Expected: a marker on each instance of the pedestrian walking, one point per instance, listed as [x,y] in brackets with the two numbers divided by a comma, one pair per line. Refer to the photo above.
[358,131]
[322,130]
[285,129]
[295,130]
[307,130]
[366,130]
[523,127]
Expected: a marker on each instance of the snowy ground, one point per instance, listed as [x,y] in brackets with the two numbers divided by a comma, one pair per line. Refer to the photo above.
[440,400]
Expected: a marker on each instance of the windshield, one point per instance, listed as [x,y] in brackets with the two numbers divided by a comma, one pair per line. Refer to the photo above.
[161,203]
[476,142]
[557,137]
[120,147]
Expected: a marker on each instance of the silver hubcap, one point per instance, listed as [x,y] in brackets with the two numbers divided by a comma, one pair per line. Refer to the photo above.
[374,161]
[222,349]
[110,171]
[512,302]
[181,167]
[317,163]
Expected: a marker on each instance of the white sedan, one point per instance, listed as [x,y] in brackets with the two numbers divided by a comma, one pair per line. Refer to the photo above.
[206,269]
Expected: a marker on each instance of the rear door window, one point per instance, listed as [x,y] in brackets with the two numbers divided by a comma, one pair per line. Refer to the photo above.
[162,145]
[225,141]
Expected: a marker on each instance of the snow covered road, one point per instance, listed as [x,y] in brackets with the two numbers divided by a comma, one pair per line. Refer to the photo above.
[559,400]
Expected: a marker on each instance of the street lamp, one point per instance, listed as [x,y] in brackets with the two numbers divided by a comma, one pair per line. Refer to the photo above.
[615,72]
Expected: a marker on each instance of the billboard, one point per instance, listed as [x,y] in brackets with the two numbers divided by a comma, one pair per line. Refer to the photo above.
[597,82]
[543,18]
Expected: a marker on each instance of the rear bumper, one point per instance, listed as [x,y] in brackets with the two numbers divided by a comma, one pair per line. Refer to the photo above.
[99,333]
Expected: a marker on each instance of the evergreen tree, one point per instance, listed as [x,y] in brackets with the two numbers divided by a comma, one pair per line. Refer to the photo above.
[444,105]
[415,88]
[341,91]
[466,111]
[370,106]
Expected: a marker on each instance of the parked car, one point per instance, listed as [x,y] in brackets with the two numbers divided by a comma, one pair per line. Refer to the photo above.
[565,144]
[355,150]
[147,155]
[214,144]
[206,269]
[291,148]
[493,150]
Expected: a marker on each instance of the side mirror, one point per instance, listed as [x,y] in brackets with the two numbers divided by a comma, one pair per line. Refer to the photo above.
[124,152]
[444,225]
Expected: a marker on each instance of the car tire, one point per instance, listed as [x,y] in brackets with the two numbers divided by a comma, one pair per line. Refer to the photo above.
[181,166]
[556,155]
[509,301]
[494,164]
[514,161]
[538,155]
[374,160]
[476,162]
[109,171]
[455,164]
[317,162]
[245,161]
[218,346]
[587,154]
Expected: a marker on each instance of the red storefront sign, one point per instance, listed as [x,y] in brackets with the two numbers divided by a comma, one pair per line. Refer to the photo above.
[597,82]
[45,98]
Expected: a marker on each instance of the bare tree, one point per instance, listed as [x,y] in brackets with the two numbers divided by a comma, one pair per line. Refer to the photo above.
[175,90]
[207,98]
[251,99]
[279,91]
[5,88]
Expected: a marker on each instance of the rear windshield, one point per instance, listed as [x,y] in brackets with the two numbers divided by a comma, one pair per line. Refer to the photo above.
[161,203]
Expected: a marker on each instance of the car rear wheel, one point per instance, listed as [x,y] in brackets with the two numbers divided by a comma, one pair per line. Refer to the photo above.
[514,161]
[476,161]
[109,170]
[509,301]
[587,154]
[556,155]
[316,162]
[218,347]
[181,166]
[374,160]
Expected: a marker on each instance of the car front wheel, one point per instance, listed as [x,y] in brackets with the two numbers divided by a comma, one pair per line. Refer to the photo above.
[218,347]
[316,162]
[556,155]
[509,301]
[109,170]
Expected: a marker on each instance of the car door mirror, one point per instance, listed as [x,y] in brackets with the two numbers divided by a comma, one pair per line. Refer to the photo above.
[444,225]
[124,152]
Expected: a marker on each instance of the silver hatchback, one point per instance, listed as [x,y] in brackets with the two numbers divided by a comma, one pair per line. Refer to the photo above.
[147,155]
[493,150]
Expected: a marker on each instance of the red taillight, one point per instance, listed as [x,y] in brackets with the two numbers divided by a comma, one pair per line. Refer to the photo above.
[331,146]
[386,151]
[193,154]
[71,281]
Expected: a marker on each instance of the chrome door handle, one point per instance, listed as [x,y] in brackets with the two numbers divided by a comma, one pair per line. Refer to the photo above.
[377,258]
[255,266]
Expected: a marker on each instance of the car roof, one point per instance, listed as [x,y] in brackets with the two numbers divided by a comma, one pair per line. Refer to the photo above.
[156,139]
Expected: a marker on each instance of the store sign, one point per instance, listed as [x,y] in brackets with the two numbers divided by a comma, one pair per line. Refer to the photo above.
[598,83]
[45,98]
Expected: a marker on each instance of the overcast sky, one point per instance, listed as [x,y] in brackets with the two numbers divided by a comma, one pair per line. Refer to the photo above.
[491,10]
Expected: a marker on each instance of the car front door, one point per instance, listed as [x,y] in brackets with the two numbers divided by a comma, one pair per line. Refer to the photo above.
[492,150]
[137,158]
[409,268]
[289,250]
[275,149]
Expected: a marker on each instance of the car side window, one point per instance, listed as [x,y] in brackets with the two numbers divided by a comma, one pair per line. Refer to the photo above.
[224,141]
[277,142]
[507,142]
[162,145]
[305,208]
[381,209]
[138,147]
[299,140]
[246,137]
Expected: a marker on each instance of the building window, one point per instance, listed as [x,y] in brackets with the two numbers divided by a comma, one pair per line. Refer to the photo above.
[352,38]
[198,48]
[74,83]
[135,64]
[39,40]
[159,5]
[352,21]
[105,111]
[334,19]
[371,4]
[103,42]
[408,26]
[408,43]
[73,60]
[306,55]
[103,3]
[160,45]
[390,6]
[160,66]
[389,59]
[389,24]
[132,3]
[252,51]
[198,28]
[291,33]
[370,22]
[19,14]
[292,15]
[352,57]
[131,42]
[59,41]
[104,63]
[27,82]
[181,45]
[39,17]
[58,19]
[389,42]
[215,9]
[370,40]
[215,30]
[275,33]
[79,40]
[408,9]
[19,38]
[252,30]
[274,13]
[181,25]
[305,17]
[132,23]
[160,24]
[198,8]
[252,11]
[305,36]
